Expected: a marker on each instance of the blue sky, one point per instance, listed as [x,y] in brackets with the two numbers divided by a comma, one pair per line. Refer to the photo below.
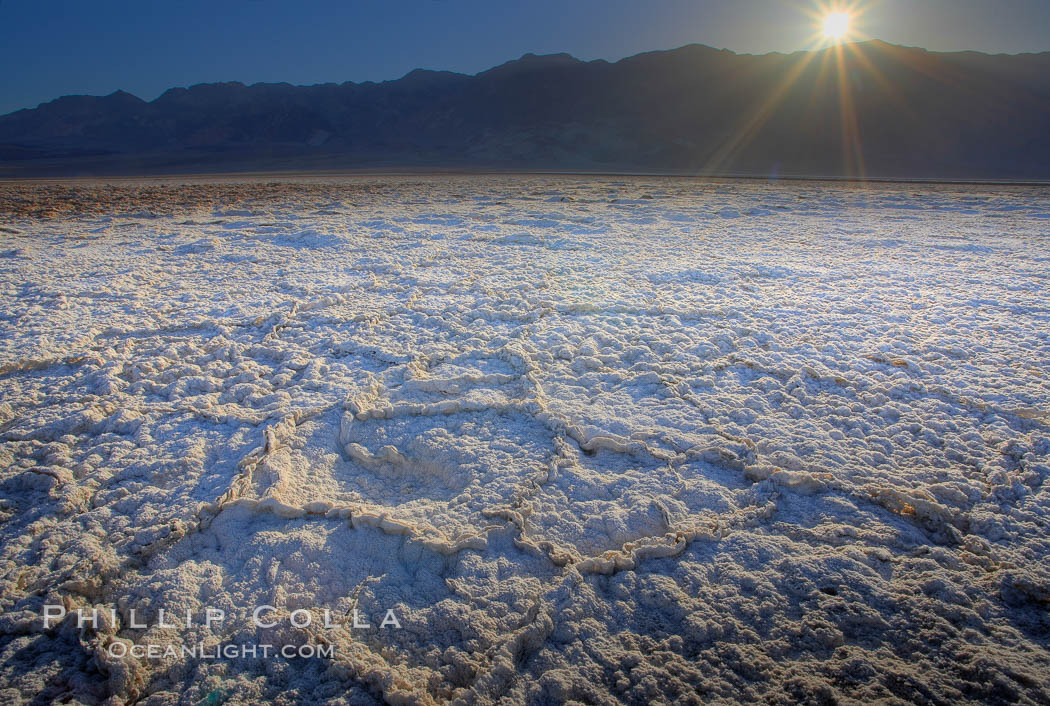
[57,47]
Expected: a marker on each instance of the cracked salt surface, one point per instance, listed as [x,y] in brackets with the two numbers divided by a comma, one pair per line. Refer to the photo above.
[643,440]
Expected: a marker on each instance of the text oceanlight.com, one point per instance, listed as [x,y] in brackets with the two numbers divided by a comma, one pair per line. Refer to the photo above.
[120,650]
[262,617]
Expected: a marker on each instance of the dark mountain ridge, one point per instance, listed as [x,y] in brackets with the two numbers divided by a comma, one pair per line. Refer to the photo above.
[866,109]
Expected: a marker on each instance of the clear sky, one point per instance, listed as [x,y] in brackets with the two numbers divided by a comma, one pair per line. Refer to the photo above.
[50,48]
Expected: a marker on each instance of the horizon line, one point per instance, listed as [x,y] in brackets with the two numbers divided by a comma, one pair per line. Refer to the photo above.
[373,172]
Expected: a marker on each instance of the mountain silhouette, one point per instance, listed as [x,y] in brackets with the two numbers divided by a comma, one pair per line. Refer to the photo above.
[865,109]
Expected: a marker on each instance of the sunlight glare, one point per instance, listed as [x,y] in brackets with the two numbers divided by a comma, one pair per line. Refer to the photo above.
[836,25]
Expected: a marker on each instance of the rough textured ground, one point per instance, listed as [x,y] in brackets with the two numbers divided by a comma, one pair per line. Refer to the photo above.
[642,441]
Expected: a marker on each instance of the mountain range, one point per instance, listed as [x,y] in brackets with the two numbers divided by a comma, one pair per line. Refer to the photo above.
[868,109]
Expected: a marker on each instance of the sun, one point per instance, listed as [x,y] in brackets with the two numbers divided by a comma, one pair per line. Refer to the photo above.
[836,26]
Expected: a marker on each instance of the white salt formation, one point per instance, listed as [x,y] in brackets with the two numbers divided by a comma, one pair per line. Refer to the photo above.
[643,441]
